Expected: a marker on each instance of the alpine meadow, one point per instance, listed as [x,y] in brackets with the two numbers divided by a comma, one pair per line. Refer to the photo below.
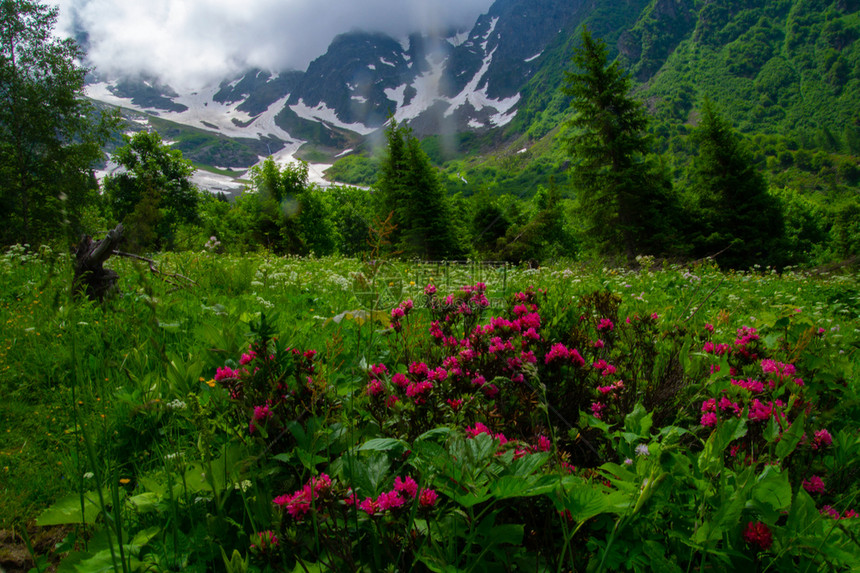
[571,286]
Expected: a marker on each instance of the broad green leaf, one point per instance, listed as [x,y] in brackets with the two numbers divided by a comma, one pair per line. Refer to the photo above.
[528,464]
[434,433]
[384,445]
[309,460]
[513,486]
[772,431]
[481,447]
[145,502]
[791,437]
[638,421]
[582,500]
[67,510]
[773,489]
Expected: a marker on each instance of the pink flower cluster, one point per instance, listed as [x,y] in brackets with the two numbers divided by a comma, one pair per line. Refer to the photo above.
[834,513]
[399,312]
[814,485]
[605,368]
[404,489]
[560,353]
[299,503]
[544,444]
[758,534]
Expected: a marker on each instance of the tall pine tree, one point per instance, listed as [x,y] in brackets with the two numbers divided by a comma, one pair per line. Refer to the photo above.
[410,191]
[625,196]
[735,215]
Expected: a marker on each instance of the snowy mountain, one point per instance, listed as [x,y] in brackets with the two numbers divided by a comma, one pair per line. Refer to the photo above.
[458,81]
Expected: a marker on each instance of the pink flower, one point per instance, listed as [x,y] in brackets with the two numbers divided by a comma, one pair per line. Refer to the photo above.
[247,358]
[709,419]
[389,500]
[430,290]
[753,386]
[709,327]
[266,541]
[822,439]
[544,444]
[760,412]
[377,370]
[605,324]
[599,343]
[814,485]
[455,403]
[225,372]
[709,405]
[407,486]
[391,401]
[479,429]
[597,409]
[262,413]
[369,506]
[374,388]
[427,498]
[758,534]
[400,380]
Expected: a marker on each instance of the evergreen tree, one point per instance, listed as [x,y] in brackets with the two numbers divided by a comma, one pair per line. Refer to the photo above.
[409,189]
[49,134]
[735,214]
[625,196]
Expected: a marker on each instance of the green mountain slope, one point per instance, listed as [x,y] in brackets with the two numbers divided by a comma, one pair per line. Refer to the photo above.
[785,72]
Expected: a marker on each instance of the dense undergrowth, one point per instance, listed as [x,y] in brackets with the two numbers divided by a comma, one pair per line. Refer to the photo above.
[328,414]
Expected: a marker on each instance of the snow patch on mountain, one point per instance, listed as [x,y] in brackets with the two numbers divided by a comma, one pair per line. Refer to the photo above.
[427,90]
[458,39]
[489,33]
[204,113]
[533,58]
[325,114]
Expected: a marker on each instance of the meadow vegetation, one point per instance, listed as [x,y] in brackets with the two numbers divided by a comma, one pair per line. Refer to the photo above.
[308,414]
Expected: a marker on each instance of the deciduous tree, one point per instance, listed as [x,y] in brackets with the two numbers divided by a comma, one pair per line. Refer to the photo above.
[50,137]
[153,194]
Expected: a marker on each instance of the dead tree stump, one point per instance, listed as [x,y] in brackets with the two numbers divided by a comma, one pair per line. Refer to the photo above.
[90,276]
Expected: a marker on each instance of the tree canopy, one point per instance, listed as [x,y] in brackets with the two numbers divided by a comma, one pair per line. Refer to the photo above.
[50,136]
[153,194]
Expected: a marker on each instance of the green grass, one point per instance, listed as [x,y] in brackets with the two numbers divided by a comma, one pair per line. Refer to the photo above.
[133,378]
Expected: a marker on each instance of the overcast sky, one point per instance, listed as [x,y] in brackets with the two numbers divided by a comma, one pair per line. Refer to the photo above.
[189,43]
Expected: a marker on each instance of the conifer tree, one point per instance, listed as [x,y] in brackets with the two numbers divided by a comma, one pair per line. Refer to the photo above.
[736,216]
[626,198]
[409,189]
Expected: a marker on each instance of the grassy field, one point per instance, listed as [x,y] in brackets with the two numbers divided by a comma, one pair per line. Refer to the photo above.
[264,413]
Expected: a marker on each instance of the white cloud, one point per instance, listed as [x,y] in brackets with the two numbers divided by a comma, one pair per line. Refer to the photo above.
[188,43]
